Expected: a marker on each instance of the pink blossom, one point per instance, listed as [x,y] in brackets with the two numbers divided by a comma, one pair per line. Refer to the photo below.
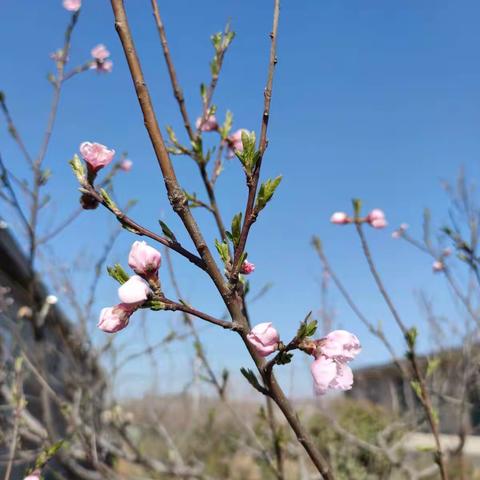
[102,67]
[100,52]
[340,345]
[400,231]
[96,155]
[234,142]
[247,267]
[143,259]
[208,125]
[72,5]
[134,291]
[264,338]
[438,266]
[114,319]
[447,252]
[126,165]
[340,218]
[329,374]
[376,218]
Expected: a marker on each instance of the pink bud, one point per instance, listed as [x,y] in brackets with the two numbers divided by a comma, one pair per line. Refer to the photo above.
[264,338]
[247,267]
[72,5]
[114,319]
[447,252]
[340,345]
[96,155]
[126,165]
[208,125]
[376,218]
[340,218]
[329,374]
[143,259]
[234,142]
[100,52]
[438,266]
[134,291]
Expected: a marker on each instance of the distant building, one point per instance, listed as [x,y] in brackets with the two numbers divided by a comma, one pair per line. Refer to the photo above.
[57,353]
[384,385]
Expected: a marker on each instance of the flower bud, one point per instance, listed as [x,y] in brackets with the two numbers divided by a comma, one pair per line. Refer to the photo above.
[247,267]
[126,165]
[114,319]
[207,125]
[438,266]
[264,338]
[51,299]
[376,218]
[72,5]
[134,291]
[340,218]
[96,155]
[143,259]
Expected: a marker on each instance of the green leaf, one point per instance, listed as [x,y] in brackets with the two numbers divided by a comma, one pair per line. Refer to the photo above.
[357,207]
[265,192]
[155,305]
[283,358]
[77,167]
[252,379]
[236,228]
[432,365]
[203,92]
[222,249]
[108,201]
[167,232]
[307,327]
[416,388]
[171,135]
[45,175]
[216,39]
[411,337]
[197,146]
[47,454]
[227,125]
[118,273]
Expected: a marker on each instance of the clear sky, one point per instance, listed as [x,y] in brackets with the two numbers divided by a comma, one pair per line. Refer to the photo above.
[372,99]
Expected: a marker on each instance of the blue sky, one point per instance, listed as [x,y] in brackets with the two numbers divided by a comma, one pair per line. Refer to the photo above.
[372,99]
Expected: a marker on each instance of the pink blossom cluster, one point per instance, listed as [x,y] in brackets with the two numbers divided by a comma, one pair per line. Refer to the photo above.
[330,369]
[101,62]
[376,219]
[72,5]
[145,261]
